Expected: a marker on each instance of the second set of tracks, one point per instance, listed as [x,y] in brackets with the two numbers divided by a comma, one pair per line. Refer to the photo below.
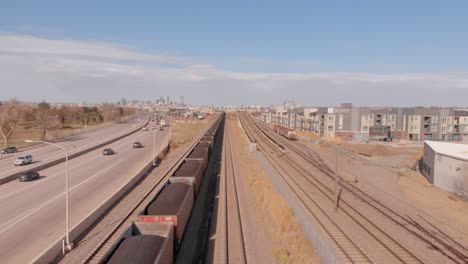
[231,223]
[305,171]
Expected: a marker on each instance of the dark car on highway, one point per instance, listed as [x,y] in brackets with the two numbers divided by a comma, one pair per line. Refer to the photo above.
[9,150]
[108,151]
[137,145]
[29,176]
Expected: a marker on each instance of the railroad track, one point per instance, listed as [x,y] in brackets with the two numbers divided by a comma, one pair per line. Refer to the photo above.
[234,246]
[348,249]
[99,252]
[445,246]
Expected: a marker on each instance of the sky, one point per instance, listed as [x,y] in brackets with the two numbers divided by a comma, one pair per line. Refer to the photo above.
[317,53]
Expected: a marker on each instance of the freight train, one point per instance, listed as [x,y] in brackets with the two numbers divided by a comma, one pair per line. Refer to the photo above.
[156,235]
[285,132]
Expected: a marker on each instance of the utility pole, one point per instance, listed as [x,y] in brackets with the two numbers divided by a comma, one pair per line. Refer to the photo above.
[154,140]
[277,140]
[337,180]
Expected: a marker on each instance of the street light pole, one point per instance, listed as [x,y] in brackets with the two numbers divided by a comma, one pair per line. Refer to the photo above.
[85,124]
[68,245]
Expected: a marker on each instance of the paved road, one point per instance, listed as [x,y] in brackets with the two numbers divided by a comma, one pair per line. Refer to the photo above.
[32,214]
[46,153]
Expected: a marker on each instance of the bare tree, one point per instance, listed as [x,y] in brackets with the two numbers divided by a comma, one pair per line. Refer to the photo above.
[10,113]
[128,111]
[63,114]
[43,111]
[110,112]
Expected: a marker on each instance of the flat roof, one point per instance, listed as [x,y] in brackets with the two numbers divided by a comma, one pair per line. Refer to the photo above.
[455,150]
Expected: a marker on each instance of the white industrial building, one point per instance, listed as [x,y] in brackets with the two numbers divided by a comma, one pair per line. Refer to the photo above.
[446,166]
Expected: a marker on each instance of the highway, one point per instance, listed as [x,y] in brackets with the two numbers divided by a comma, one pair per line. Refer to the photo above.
[46,153]
[32,214]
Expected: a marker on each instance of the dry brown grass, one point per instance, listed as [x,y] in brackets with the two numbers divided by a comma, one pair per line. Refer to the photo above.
[183,131]
[414,158]
[290,243]
[21,133]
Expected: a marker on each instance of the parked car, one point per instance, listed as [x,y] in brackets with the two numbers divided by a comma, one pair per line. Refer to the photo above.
[161,128]
[29,176]
[386,139]
[137,145]
[23,160]
[9,150]
[144,129]
[108,151]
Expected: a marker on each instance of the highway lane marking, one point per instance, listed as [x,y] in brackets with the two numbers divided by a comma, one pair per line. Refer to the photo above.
[74,150]
[31,211]
[22,216]
[118,147]
[49,148]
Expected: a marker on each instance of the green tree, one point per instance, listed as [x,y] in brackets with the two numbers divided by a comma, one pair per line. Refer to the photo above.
[43,111]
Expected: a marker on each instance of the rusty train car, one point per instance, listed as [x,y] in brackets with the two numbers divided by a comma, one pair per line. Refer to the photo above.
[285,132]
[156,235]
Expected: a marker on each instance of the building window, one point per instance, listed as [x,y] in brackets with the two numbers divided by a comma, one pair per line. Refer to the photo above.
[340,122]
[444,120]
[330,128]
[365,128]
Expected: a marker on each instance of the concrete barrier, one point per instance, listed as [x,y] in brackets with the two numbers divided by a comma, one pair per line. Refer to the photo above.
[72,156]
[56,248]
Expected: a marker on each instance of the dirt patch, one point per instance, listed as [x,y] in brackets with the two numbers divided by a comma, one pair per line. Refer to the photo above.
[370,149]
[403,189]
[289,244]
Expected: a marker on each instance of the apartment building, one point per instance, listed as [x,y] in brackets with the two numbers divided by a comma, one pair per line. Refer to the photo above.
[364,123]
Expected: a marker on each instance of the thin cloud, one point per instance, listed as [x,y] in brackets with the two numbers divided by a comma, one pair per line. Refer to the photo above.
[34,69]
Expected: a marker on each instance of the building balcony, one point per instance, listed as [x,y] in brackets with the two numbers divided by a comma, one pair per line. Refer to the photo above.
[427,120]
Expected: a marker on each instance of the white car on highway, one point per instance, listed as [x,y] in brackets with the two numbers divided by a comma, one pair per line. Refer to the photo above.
[23,160]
